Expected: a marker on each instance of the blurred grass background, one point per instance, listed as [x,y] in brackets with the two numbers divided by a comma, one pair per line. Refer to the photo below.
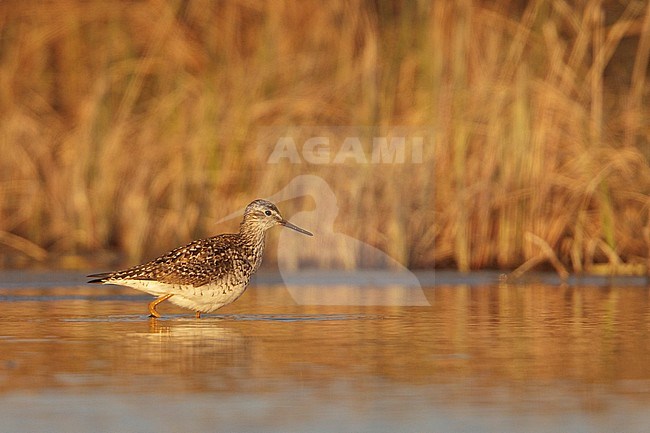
[130,127]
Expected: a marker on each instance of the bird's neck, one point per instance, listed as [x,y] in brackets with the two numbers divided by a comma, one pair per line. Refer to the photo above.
[252,241]
[252,232]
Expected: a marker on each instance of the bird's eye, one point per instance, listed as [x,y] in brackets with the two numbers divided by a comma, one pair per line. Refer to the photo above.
[267,213]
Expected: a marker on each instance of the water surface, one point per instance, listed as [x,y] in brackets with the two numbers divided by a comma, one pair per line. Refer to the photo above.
[483,357]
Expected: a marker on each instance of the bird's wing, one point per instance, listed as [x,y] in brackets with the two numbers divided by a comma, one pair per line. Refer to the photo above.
[197,263]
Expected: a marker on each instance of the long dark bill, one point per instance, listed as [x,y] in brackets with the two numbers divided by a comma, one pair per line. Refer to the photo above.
[296,228]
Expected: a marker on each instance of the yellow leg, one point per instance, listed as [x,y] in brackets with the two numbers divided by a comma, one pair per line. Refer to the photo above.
[198,314]
[153,304]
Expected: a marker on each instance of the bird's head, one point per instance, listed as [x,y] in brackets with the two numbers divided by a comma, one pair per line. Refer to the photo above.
[264,214]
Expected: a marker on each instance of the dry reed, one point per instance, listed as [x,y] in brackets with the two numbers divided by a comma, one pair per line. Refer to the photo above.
[134,126]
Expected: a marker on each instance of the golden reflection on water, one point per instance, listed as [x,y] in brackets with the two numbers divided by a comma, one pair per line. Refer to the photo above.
[589,344]
[501,333]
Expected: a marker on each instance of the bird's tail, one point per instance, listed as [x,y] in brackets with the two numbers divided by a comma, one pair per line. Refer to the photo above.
[98,278]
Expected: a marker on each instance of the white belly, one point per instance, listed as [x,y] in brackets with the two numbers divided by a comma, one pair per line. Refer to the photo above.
[205,298]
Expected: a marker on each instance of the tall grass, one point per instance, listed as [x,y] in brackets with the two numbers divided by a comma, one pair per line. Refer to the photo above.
[133,127]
